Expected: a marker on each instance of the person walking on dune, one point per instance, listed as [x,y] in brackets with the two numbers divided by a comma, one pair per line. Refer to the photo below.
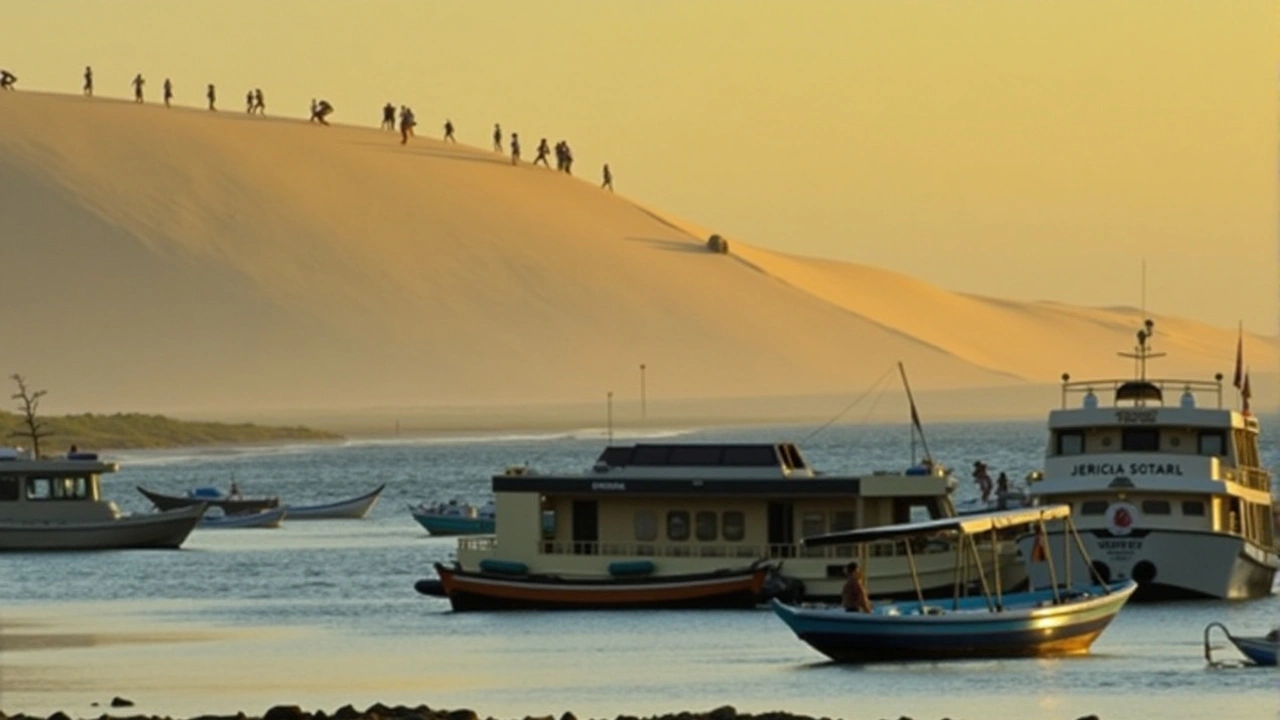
[248,102]
[515,148]
[568,159]
[608,179]
[542,154]
[407,122]
[323,109]
[497,137]
[138,82]
[168,92]
[448,131]
[212,95]
[388,117]
[7,79]
[88,81]
[259,103]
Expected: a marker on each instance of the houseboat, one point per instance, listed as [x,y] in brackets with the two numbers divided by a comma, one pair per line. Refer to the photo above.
[694,515]
[1166,485]
[57,504]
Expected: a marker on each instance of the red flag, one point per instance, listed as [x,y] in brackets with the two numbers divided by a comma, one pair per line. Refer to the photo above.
[1246,393]
[1239,361]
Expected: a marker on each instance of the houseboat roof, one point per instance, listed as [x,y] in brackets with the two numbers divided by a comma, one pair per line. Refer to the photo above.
[970,524]
[74,467]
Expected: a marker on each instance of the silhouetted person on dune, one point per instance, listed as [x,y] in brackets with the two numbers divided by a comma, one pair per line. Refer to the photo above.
[88,81]
[212,96]
[560,156]
[259,103]
[608,179]
[543,149]
[407,122]
[138,82]
[497,137]
[568,159]
[248,102]
[448,131]
[515,148]
[323,109]
[389,117]
[7,79]
[168,92]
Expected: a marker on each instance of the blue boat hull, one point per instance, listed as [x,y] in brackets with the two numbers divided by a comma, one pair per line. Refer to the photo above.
[454,525]
[1259,650]
[1030,625]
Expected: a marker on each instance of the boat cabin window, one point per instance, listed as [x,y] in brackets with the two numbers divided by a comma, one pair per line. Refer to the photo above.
[842,520]
[1093,507]
[1193,508]
[1070,443]
[646,522]
[1140,440]
[39,488]
[1212,442]
[678,525]
[813,523]
[704,525]
[1156,507]
[734,524]
[650,455]
[10,489]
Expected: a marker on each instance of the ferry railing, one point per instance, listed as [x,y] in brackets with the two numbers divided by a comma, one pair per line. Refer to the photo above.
[1252,478]
[717,550]
[1084,387]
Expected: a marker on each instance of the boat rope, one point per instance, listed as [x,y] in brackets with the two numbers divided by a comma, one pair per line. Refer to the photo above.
[851,406]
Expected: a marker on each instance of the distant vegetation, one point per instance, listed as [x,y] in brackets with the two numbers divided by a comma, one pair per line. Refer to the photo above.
[136,430]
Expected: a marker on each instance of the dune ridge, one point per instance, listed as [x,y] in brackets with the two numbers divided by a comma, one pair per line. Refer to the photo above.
[186,261]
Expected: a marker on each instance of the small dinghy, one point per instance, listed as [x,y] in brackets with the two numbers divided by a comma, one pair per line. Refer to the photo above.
[351,509]
[1259,649]
[269,518]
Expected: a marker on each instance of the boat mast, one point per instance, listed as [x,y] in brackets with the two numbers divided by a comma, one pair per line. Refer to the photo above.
[915,419]
[1142,353]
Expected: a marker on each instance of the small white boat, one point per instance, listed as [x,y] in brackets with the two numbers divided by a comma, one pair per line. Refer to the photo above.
[269,518]
[57,504]
[350,509]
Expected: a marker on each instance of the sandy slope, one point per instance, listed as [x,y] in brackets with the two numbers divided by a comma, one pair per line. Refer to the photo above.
[180,260]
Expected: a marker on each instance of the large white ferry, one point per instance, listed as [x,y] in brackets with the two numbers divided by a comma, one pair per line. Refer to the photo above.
[1166,486]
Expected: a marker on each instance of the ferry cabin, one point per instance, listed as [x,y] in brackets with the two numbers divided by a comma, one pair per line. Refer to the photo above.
[672,509]
[58,490]
[1174,497]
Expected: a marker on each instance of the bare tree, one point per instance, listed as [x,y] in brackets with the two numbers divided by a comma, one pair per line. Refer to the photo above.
[29,404]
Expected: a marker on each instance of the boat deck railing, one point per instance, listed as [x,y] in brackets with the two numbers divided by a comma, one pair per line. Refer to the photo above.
[1084,387]
[706,550]
[1253,478]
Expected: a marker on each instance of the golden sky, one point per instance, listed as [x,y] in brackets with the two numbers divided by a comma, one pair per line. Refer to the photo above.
[1018,149]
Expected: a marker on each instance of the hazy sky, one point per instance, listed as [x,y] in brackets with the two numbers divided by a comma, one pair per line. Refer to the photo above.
[1019,149]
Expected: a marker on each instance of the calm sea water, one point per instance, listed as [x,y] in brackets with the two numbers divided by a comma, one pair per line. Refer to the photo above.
[324,613]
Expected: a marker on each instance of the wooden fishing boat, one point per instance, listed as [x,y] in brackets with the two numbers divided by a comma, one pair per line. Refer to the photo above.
[1062,619]
[1259,649]
[506,586]
[229,505]
[455,518]
[269,518]
[351,509]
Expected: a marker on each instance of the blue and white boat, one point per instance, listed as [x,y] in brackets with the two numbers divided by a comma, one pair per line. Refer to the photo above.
[978,620]
[269,518]
[354,508]
[455,518]
[1259,649]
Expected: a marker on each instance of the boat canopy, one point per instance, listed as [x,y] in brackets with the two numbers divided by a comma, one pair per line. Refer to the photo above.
[970,524]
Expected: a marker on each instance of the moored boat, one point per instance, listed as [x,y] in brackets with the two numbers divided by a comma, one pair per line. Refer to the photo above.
[211,497]
[351,509]
[455,518]
[57,504]
[1153,483]
[1259,649]
[1062,619]
[269,518]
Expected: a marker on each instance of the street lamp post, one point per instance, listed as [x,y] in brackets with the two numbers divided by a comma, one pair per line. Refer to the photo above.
[609,416]
[644,411]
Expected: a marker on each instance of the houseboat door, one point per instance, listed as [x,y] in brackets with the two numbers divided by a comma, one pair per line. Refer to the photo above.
[782,529]
[586,527]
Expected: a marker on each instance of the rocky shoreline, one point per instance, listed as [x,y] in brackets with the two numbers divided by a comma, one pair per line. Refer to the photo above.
[423,712]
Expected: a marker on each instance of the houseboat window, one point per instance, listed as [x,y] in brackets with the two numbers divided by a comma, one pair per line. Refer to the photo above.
[734,525]
[10,489]
[1213,442]
[1071,443]
[842,520]
[750,456]
[813,523]
[650,455]
[1093,507]
[548,524]
[646,526]
[678,525]
[1140,440]
[1193,508]
[1156,507]
[39,488]
[700,455]
[705,525]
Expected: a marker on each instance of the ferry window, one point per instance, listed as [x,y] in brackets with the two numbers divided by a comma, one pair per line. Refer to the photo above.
[750,456]
[702,455]
[1093,507]
[39,488]
[1140,440]
[734,525]
[1213,443]
[650,455]
[1156,507]
[10,489]
[646,526]
[704,525]
[1070,443]
[813,523]
[842,520]
[1193,508]
[678,525]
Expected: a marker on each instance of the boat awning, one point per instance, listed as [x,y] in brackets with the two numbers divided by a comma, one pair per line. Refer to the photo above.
[964,524]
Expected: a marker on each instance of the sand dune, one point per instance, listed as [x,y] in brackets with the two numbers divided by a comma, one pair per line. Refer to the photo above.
[186,261]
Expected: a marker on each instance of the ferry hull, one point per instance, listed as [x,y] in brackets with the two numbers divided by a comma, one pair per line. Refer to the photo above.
[1169,564]
[166,530]
[469,591]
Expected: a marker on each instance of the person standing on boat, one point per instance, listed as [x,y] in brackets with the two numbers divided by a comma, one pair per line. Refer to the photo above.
[854,596]
[234,493]
[983,478]
[1002,491]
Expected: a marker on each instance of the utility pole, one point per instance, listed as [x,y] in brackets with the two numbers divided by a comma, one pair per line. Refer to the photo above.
[609,416]
[644,412]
